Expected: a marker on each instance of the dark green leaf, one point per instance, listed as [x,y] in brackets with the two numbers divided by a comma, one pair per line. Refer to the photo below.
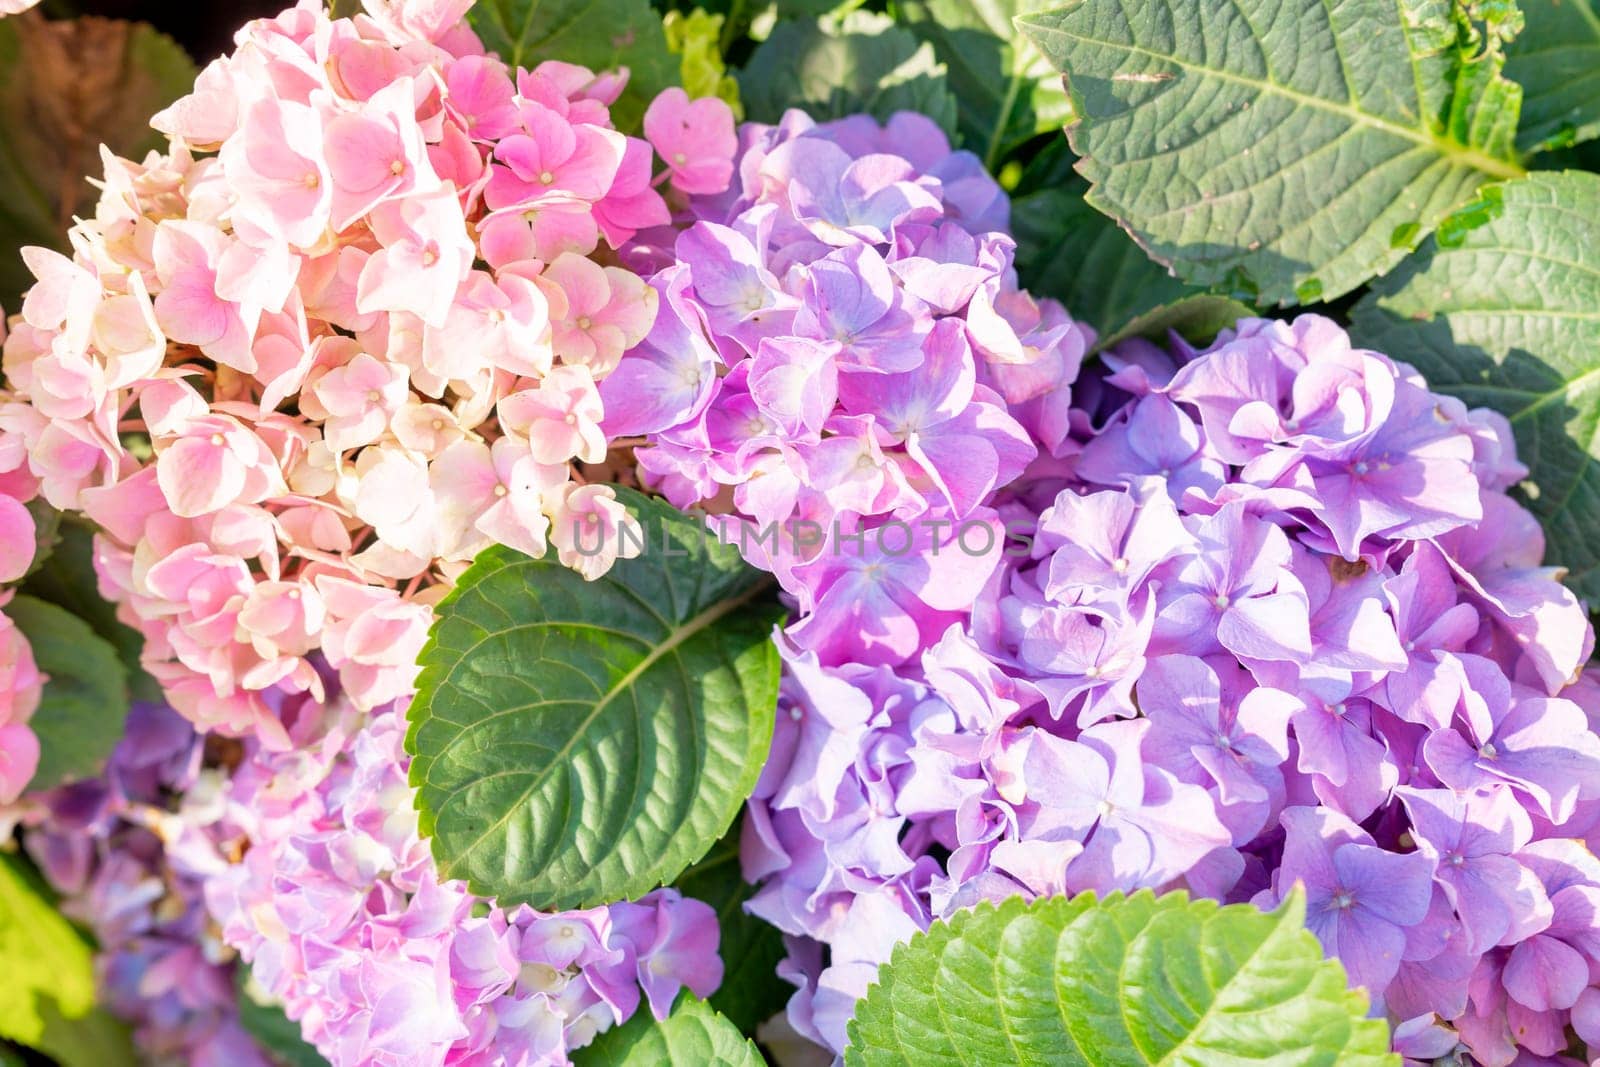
[1068,250]
[602,35]
[583,742]
[837,67]
[1275,148]
[66,579]
[1556,60]
[1115,983]
[66,87]
[1506,314]
[85,700]
[278,1035]
[1197,318]
[1006,92]
[751,991]
[693,1035]
[47,983]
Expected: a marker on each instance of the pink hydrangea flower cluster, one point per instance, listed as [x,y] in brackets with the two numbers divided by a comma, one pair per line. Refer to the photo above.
[1267,616]
[128,852]
[337,906]
[21,684]
[344,334]
[843,361]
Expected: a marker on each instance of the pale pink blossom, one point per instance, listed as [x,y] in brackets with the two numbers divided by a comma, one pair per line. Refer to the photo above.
[502,324]
[592,530]
[609,310]
[359,397]
[560,419]
[17,534]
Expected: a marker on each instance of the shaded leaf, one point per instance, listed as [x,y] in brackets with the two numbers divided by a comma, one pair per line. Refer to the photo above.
[693,1035]
[1506,314]
[1006,91]
[602,35]
[751,948]
[1274,148]
[1068,250]
[583,742]
[66,578]
[47,983]
[1197,318]
[66,87]
[1556,60]
[835,67]
[1120,981]
[85,703]
[278,1035]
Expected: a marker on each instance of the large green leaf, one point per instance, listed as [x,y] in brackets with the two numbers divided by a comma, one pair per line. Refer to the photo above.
[1507,315]
[66,578]
[1290,148]
[85,700]
[599,34]
[834,67]
[581,742]
[1556,60]
[66,87]
[1006,92]
[693,1035]
[47,985]
[1116,983]
[751,948]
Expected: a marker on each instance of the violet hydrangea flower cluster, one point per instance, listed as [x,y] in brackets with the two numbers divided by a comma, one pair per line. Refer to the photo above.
[842,358]
[1273,621]
[129,853]
[337,906]
[342,335]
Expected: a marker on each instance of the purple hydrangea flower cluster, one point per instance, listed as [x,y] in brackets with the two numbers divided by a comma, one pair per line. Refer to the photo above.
[129,853]
[337,905]
[843,360]
[1267,617]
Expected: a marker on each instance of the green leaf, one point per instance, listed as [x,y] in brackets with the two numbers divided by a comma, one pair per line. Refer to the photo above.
[1115,983]
[693,1035]
[1556,60]
[696,39]
[1006,91]
[583,742]
[1276,147]
[1068,250]
[85,700]
[602,35]
[47,984]
[1197,318]
[66,579]
[66,87]
[278,1035]
[835,67]
[751,948]
[1506,314]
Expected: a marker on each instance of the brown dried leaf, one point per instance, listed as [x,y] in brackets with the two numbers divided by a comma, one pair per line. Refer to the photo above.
[66,87]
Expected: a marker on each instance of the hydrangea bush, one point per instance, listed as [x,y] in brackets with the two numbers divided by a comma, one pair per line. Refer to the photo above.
[503,562]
